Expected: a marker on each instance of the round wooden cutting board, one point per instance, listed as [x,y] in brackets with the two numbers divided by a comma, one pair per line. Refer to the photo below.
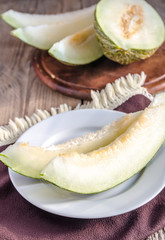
[77,81]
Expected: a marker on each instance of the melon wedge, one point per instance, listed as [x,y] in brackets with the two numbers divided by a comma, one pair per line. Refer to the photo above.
[26,160]
[109,166]
[19,19]
[44,36]
[30,160]
[78,49]
[97,139]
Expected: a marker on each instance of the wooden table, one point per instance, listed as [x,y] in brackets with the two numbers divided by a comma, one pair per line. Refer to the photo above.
[21,92]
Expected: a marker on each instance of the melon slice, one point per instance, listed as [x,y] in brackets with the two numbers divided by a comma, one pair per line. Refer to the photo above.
[30,160]
[19,19]
[78,49]
[128,30]
[44,36]
[97,139]
[109,166]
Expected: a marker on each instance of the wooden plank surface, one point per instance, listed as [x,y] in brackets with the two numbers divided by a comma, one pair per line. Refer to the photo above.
[21,92]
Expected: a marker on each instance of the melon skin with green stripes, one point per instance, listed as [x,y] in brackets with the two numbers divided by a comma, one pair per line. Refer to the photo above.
[128,30]
[113,164]
[30,160]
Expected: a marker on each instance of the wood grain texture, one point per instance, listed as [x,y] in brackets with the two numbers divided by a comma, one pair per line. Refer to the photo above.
[21,92]
[95,76]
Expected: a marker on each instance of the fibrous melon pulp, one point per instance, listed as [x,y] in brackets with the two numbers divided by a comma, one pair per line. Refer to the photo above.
[100,160]
[109,166]
[30,160]
[128,30]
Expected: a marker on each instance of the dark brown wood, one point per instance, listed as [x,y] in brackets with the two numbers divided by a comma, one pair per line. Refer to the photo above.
[77,81]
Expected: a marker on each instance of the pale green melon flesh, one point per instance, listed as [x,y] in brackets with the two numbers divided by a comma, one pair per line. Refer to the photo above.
[44,36]
[126,38]
[30,160]
[117,54]
[77,49]
[109,166]
[19,19]
[97,139]
[26,160]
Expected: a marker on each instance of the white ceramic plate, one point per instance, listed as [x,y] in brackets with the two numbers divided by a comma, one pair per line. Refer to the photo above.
[129,195]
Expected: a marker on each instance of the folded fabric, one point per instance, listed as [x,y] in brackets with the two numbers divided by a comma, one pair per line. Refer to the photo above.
[20,220]
[112,97]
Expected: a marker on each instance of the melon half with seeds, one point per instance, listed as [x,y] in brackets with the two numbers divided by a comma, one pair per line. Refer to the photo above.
[128,30]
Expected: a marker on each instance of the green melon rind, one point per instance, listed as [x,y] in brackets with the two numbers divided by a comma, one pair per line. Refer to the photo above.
[6,18]
[117,54]
[13,155]
[3,156]
[45,178]
[86,193]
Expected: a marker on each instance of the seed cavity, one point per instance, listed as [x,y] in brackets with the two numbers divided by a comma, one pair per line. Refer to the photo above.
[131,21]
[80,37]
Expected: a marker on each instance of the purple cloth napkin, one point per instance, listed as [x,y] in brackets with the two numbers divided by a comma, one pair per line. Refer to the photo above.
[20,220]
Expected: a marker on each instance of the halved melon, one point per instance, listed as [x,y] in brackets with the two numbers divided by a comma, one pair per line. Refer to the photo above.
[109,166]
[128,30]
[19,19]
[78,49]
[30,160]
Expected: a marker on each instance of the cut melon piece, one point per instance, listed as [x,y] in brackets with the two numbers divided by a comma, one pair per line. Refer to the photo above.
[78,49]
[128,30]
[109,166]
[26,160]
[19,19]
[30,160]
[44,36]
[97,139]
